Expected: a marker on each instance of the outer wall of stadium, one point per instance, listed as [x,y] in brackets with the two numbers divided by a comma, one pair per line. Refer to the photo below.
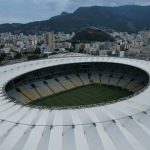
[122,125]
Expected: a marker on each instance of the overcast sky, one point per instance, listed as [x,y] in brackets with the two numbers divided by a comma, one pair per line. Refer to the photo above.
[23,11]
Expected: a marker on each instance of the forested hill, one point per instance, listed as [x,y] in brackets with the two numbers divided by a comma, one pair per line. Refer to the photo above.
[130,18]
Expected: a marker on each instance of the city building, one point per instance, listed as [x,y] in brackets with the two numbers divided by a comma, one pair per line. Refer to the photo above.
[50,40]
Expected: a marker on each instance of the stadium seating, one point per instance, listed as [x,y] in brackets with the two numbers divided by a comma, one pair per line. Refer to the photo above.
[43,89]
[114,80]
[55,86]
[123,82]
[18,96]
[29,91]
[63,79]
[75,80]
[105,78]
[66,82]
[138,88]
[84,78]
[95,77]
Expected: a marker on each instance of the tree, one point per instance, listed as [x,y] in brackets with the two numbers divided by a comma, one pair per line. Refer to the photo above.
[1,59]
[37,50]
[2,56]
[18,55]
[2,46]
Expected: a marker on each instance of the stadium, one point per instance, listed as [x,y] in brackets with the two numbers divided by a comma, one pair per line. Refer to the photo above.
[75,103]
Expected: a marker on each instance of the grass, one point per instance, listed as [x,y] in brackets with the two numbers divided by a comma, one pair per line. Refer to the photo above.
[85,95]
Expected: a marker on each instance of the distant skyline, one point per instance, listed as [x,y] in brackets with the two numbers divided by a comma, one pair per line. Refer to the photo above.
[23,11]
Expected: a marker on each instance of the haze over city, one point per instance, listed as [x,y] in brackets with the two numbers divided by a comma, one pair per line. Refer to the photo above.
[23,11]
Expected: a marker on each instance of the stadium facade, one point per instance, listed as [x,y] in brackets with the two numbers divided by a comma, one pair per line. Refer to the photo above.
[122,125]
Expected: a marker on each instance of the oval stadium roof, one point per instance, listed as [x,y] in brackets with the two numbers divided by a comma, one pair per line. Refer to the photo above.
[123,125]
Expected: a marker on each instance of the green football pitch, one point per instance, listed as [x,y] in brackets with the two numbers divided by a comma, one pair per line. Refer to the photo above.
[85,95]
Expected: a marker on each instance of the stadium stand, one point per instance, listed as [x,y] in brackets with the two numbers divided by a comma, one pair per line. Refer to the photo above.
[95,77]
[104,78]
[84,78]
[66,82]
[75,80]
[43,89]
[55,86]
[18,96]
[63,78]
[114,79]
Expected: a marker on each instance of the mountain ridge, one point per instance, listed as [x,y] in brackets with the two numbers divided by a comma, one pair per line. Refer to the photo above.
[128,18]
